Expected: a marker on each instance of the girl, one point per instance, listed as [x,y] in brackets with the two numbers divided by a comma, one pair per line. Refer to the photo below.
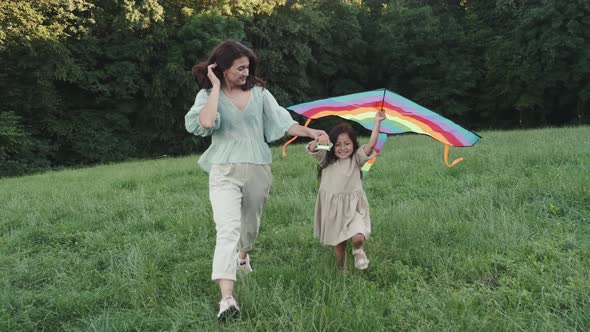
[342,210]
[242,116]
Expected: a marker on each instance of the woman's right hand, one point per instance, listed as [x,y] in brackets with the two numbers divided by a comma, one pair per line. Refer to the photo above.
[211,75]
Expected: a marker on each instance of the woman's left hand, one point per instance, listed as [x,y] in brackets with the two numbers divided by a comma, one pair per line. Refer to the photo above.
[321,137]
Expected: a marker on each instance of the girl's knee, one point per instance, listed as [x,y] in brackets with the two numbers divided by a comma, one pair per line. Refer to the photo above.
[340,246]
[358,239]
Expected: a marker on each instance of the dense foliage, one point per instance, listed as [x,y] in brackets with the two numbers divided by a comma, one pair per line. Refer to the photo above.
[85,82]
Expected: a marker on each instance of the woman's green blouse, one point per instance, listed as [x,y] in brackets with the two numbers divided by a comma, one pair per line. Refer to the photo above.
[240,136]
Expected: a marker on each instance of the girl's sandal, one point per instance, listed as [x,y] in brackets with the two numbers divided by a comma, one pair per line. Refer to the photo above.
[361,262]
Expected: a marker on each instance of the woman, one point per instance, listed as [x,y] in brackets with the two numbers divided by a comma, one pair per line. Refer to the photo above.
[242,116]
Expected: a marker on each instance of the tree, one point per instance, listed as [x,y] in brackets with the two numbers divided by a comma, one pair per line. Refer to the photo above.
[340,57]
[282,42]
[425,57]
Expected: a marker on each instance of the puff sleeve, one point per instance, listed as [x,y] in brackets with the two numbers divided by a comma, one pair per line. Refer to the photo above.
[191,119]
[319,155]
[361,158]
[276,119]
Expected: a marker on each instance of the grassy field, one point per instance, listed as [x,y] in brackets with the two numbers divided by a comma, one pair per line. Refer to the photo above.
[499,242]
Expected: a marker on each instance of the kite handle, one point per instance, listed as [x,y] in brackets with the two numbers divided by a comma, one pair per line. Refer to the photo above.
[284,152]
[446,158]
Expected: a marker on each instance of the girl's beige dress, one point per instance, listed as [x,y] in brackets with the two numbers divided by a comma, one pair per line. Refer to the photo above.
[342,209]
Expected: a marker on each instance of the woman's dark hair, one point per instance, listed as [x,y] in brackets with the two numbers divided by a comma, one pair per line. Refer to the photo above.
[224,55]
[343,128]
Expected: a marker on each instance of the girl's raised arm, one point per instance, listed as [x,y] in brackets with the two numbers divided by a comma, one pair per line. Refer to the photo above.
[368,148]
[313,146]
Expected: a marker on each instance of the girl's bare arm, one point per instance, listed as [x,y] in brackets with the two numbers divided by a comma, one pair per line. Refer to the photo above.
[369,147]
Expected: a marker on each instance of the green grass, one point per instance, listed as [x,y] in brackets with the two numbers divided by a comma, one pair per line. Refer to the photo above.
[499,242]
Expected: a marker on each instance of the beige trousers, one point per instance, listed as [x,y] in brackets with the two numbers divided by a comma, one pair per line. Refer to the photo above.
[237,193]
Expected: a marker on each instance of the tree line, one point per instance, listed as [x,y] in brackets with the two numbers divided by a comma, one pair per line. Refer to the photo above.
[85,82]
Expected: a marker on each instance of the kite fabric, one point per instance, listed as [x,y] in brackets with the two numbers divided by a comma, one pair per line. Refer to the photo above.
[402,116]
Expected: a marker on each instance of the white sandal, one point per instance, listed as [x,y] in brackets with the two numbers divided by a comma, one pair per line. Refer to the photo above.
[244,264]
[228,308]
[361,262]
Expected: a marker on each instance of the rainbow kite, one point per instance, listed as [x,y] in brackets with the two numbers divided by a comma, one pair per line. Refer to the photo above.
[402,116]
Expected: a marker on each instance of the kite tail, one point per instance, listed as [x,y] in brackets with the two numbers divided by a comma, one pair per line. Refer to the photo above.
[284,153]
[446,158]
[380,142]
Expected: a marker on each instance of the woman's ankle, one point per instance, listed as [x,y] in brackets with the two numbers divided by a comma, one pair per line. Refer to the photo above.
[242,255]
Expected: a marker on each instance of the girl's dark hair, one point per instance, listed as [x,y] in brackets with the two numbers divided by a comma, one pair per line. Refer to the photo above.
[224,55]
[343,128]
